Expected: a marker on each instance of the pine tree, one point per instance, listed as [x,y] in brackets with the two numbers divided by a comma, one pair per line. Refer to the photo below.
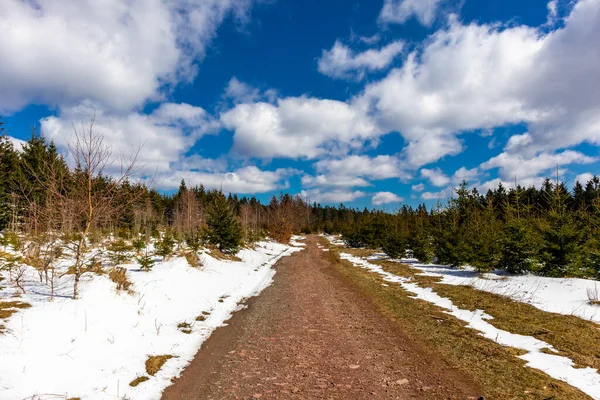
[8,169]
[561,238]
[224,231]
[395,245]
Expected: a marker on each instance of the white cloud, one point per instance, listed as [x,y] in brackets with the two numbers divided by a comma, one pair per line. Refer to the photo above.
[385,198]
[343,63]
[464,174]
[298,127]
[512,165]
[418,188]
[115,53]
[241,92]
[370,40]
[379,167]
[470,77]
[436,176]
[583,178]
[324,181]
[399,11]
[332,196]
[164,136]
[442,195]
[354,171]
[248,179]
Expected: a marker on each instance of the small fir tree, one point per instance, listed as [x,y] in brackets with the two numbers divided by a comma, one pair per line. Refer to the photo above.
[164,247]
[224,231]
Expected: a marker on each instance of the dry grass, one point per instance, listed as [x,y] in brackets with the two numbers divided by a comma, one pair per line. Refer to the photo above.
[593,296]
[193,259]
[8,308]
[495,368]
[214,252]
[360,252]
[185,327]
[119,276]
[571,336]
[138,380]
[155,363]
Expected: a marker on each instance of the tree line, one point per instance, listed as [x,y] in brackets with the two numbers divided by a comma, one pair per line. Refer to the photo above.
[549,230]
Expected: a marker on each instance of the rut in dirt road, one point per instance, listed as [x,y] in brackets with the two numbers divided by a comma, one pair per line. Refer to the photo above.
[310,336]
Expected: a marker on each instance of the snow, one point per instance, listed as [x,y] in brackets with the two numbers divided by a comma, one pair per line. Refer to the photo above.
[561,368]
[95,346]
[295,241]
[567,296]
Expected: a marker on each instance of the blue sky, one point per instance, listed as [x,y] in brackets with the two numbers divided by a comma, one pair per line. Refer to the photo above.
[366,102]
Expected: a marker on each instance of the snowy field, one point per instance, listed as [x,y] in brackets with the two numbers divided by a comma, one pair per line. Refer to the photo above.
[95,346]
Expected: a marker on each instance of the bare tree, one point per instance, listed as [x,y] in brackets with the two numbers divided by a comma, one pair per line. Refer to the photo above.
[92,196]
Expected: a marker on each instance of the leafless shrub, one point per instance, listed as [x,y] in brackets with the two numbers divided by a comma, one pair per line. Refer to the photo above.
[593,295]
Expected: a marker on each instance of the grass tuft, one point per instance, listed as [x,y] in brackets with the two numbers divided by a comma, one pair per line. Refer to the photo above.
[185,327]
[138,380]
[155,363]
[8,308]
[193,259]
[119,276]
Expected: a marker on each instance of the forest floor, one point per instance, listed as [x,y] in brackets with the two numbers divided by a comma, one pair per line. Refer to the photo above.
[314,334]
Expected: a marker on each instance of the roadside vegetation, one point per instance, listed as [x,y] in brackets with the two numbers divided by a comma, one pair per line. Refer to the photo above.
[495,368]
[550,231]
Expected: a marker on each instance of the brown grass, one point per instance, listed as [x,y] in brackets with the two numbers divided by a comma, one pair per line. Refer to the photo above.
[138,380]
[8,308]
[155,363]
[219,255]
[571,336]
[119,276]
[185,327]
[495,368]
[193,259]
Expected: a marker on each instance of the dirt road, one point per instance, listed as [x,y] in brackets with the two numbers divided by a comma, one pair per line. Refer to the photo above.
[310,336]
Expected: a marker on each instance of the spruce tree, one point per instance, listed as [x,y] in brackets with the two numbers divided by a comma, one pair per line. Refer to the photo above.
[224,231]
[561,238]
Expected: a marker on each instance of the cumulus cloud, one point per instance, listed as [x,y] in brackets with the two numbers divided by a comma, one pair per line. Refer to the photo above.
[343,63]
[240,92]
[385,198]
[379,167]
[162,137]
[115,53]
[298,127]
[525,169]
[436,176]
[249,179]
[354,171]
[400,11]
[480,76]
[332,196]
[418,187]
[583,178]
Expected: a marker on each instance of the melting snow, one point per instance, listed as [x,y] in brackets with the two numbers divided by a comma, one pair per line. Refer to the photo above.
[585,379]
[95,346]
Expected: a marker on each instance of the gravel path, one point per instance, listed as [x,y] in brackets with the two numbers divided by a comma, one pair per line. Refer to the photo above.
[310,336]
